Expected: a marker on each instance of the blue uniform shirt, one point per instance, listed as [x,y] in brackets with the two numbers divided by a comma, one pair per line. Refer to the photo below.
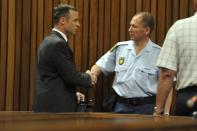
[135,75]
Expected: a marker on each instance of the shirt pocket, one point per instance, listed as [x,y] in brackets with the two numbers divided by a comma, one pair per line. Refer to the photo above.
[146,75]
[148,70]
[121,72]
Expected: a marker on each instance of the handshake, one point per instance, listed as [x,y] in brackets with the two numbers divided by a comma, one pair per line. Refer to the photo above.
[93,77]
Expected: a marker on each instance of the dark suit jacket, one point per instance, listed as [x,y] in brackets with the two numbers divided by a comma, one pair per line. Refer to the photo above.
[57,77]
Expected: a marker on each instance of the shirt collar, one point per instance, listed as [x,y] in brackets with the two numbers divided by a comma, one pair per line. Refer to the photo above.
[63,35]
[146,48]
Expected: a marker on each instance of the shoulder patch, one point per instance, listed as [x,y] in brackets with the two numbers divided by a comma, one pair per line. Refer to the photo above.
[117,45]
[114,47]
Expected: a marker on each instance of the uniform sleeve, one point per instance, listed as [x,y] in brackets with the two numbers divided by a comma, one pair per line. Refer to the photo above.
[168,55]
[64,63]
[107,62]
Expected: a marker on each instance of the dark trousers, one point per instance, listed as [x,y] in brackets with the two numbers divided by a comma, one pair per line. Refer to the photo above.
[183,96]
[143,105]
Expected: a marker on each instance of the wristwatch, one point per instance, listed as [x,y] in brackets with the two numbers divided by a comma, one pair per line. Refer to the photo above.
[158,113]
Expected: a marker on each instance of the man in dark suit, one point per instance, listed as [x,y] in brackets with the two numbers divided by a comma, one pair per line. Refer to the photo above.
[57,76]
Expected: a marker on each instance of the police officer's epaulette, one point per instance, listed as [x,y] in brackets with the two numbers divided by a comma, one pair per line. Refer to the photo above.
[117,45]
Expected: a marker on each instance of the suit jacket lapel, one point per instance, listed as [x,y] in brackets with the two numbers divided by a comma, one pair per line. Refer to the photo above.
[58,34]
[66,44]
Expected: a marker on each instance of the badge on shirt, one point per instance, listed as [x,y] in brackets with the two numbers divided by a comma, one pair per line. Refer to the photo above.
[121,60]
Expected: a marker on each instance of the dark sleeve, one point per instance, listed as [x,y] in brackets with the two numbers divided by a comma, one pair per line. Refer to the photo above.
[63,60]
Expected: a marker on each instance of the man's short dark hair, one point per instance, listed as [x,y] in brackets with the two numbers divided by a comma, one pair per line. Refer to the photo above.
[62,10]
[147,19]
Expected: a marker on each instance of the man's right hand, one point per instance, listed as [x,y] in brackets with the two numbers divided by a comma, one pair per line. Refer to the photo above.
[93,77]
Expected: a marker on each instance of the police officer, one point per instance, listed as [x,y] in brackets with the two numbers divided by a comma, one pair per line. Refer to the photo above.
[133,62]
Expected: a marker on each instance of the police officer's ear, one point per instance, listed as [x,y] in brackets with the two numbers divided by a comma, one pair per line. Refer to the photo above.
[147,31]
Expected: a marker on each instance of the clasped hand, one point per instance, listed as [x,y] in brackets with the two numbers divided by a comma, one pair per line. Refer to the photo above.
[93,77]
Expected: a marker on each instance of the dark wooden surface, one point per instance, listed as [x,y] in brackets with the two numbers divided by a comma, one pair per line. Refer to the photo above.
[29,121]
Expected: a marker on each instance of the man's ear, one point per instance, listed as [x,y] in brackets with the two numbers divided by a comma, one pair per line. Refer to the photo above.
[147,30]
[62,20]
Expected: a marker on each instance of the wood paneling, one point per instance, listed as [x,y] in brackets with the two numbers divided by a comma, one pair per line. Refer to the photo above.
[33,50]
[11,54]
[3,60]
[24,24]
[161,16]
[154,13]
[123,19]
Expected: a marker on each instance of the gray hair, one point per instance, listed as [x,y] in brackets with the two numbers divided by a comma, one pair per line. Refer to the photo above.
[147,19]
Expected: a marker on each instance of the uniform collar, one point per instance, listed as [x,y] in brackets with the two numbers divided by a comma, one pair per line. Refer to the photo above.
[131,47]
[146,48]
[63,35]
